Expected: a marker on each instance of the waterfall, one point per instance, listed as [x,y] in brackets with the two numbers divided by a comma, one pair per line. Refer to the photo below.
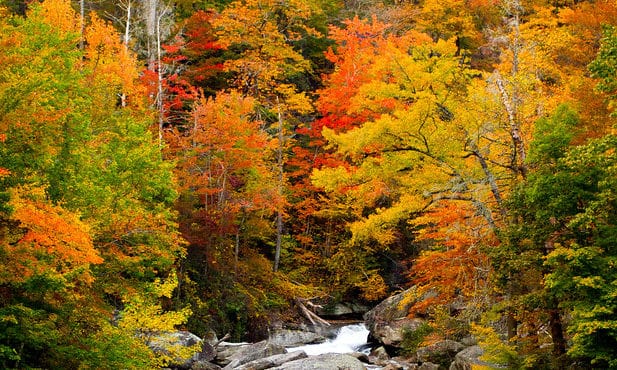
[350,338]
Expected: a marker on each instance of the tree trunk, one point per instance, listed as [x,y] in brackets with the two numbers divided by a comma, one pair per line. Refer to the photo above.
[559,341]
[150,19]
[512,325]
[279,211]
[159,67]
[127,27]
[311,316]
[82,23]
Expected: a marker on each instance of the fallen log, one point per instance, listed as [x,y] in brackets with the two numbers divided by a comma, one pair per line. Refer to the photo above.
[310,315]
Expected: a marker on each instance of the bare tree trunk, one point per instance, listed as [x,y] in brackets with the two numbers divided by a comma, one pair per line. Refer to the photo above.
[510,103]
[279,211]
[153,13]
[151,19]
[125,42]
[82,23]
[311,316]
[511,100]
[127,27]
[160,106]
[237,244]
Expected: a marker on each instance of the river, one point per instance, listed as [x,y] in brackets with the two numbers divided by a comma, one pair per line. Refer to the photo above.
[349,338]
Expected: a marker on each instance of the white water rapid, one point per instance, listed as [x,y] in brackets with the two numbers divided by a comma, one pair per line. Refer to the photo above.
[350,338]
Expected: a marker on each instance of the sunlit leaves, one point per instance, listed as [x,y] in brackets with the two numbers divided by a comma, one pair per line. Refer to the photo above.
[144,316]
[59,15]
[263,36]
[113,68]
[415,146]
[50,240]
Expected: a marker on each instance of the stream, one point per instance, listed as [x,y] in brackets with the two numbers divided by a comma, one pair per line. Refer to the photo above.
[349,338]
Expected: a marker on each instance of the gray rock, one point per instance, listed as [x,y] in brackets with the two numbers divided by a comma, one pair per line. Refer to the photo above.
[380,354]
[208,352]
[388,320]
[204,365]
[272,361]
[295,338]
[328,361]
[339,309]
[225,350]
[342,309]
[428,366]
[469,341]
[169,343]
[358,308]
[392,333]
[442,351]
[467,358]
[247,353]
[360,356]
[161,342]
[393,366]
[210,337]
[407,363]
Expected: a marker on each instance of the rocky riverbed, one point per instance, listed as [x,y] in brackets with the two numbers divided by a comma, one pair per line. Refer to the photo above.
[316,347]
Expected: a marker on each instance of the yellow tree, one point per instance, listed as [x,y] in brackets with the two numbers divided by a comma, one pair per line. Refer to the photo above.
[414,154]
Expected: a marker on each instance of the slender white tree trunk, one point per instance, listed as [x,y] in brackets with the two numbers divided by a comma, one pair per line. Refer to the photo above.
[160,106]
[127,27]
[82,23]
[279,211]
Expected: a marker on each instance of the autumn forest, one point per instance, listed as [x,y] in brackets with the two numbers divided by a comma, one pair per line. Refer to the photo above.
[206,165]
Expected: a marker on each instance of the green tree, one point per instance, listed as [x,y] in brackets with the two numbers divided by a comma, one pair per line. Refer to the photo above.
[539,207]
[582,264]
[605,65]
[86,204]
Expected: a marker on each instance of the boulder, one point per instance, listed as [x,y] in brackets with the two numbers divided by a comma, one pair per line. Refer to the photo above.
[328,361]
[338,309]
[272,361]
[208,347]
[234,356]
[406,362]
[204,365]
[295,338]
[163,341]
[393,332]
[428,366]
[470,358]
[388,320]
[363,357]
[177,345]
[442,352]
[379,355]
[342,310]
[225,350]
[393,366]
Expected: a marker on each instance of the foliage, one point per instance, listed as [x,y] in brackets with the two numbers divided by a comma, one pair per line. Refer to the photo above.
[412,339]
[426,143]
[455,266]
[603,67]
[144,315]
[496,350]
[86,207]
[581,275]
